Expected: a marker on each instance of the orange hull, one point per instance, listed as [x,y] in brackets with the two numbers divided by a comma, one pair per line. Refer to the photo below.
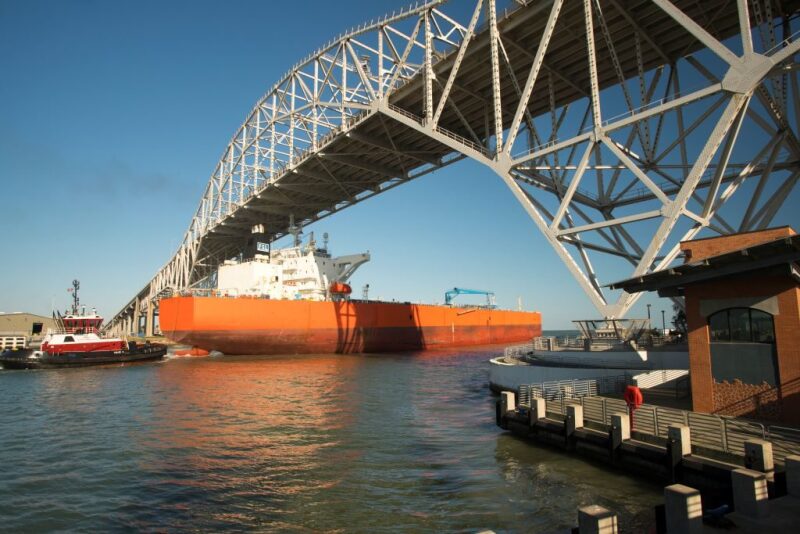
[262,326]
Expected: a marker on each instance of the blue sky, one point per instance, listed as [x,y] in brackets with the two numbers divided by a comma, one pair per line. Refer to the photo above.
[114,114]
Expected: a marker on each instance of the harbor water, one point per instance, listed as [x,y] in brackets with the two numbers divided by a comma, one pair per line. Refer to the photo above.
[356,443]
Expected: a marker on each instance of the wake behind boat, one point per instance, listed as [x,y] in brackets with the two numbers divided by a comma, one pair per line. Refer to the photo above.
[76,343]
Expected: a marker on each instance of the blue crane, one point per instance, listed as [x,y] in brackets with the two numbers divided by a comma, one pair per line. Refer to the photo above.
[453,293]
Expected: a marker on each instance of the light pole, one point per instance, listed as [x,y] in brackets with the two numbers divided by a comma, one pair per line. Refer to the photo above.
[663,322]
[648,312]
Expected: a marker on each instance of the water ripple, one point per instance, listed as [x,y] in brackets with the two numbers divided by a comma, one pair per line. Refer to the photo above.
[300,444]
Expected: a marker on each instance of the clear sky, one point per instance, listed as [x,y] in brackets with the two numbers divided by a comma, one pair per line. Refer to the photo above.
[113,115]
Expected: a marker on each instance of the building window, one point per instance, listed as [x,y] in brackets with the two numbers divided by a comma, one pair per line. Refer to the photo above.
[742,325]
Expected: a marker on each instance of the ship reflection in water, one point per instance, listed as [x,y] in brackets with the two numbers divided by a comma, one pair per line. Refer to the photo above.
[349,443]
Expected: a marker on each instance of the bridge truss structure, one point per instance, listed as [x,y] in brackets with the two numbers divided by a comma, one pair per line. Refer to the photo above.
[622,127]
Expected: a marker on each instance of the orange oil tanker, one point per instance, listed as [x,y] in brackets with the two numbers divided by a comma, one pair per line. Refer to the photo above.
[296,300]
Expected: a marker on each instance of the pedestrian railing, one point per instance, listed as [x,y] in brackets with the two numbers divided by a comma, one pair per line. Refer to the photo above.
[659,377]
[555,390]
[708,431]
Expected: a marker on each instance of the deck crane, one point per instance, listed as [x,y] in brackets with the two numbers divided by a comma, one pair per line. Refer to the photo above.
[453,293]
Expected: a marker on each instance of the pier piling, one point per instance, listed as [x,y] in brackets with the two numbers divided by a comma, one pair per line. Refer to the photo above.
[620,429]
[750,492]
[537,411]
[679,445]
[507,402]
[595,519]
[758,457]
[683,509]
[793,475]
[574,418]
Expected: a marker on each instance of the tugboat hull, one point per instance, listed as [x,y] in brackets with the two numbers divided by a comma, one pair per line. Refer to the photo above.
[27,359]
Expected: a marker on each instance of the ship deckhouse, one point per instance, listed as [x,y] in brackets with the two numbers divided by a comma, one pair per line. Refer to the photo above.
[301,272]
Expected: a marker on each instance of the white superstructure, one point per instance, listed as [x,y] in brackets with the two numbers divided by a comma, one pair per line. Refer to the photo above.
[299,272]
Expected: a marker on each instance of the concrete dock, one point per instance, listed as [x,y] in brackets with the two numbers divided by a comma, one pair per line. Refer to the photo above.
[763,494]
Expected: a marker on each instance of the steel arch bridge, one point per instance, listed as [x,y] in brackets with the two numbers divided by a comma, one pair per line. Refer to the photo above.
[621,126]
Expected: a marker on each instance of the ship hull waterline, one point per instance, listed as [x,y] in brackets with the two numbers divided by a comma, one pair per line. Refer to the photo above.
[20,360]
[263,326]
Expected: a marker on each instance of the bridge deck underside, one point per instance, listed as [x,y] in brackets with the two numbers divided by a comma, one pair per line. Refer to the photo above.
[374,152]
[380,150]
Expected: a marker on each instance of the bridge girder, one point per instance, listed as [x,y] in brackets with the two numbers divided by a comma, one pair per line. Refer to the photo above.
[621,128]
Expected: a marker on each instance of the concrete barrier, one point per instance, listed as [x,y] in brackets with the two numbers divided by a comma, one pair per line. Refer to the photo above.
[574,418]
[683,509]
[681,439]
[538,411]
[507,402]
[750,496]
[620,429]
[595,519]
[793,475]
[758,456]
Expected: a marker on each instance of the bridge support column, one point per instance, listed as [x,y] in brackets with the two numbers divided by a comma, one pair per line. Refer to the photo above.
[148,328]
[137,316]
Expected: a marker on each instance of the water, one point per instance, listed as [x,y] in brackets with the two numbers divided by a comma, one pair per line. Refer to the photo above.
[403,443]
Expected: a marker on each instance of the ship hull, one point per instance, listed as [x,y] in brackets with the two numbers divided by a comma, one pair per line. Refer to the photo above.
[262,326]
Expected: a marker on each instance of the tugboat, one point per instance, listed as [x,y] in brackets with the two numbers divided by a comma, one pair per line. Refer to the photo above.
[76,343]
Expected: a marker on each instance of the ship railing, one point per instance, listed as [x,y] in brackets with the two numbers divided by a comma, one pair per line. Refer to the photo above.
[204,292]
[517,351]
[74,330]
[709,432]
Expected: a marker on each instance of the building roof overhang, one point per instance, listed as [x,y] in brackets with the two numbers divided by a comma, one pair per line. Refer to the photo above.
[778,257]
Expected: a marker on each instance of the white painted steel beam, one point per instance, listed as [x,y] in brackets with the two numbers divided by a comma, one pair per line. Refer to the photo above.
[611,141]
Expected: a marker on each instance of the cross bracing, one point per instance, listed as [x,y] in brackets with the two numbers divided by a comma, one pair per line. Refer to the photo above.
[622,127]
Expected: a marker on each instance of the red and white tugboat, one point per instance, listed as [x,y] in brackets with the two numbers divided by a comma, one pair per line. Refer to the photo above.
[76,343]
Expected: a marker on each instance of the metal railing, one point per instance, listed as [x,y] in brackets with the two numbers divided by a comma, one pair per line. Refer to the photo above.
[659,377]
[556,390]
[13,342]
[708,431]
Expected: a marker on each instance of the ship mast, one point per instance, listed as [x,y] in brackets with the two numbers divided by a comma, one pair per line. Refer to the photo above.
[76,285]
[295,230]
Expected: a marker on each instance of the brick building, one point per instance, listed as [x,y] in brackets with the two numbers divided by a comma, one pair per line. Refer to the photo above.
[742,295]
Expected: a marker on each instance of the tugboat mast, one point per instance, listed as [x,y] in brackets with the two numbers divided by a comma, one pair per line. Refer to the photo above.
[76,285]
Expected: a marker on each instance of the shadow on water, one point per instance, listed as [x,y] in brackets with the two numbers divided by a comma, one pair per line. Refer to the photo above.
[554,484]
